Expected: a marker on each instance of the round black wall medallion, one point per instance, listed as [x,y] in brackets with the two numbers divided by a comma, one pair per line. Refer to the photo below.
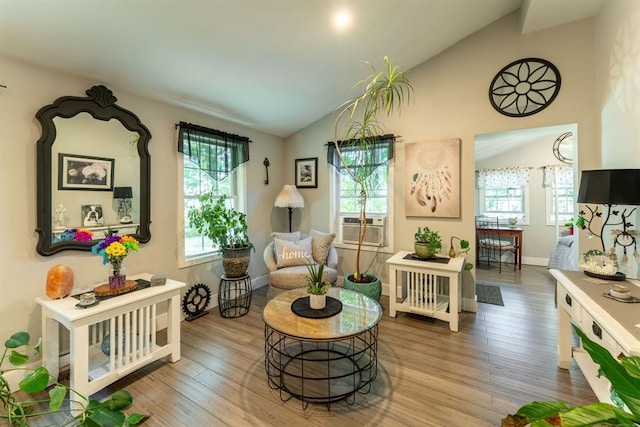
[524,87]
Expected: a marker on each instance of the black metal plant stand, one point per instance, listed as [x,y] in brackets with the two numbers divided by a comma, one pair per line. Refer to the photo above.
[234,296]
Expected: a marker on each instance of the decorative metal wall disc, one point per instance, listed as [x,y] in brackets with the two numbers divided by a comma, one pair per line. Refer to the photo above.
[524,87]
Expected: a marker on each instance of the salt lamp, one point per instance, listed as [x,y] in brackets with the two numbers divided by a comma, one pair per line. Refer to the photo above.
[59,281]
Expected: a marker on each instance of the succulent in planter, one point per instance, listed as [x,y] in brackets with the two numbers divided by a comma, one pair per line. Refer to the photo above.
[227,228]
[316,287]
[427,243]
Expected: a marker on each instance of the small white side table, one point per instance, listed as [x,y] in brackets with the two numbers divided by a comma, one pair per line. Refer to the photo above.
[131,318]
[428,288]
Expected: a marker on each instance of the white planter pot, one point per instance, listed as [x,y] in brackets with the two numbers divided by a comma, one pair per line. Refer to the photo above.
[317,302]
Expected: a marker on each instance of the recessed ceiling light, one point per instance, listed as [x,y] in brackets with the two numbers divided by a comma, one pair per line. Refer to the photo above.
[342,19]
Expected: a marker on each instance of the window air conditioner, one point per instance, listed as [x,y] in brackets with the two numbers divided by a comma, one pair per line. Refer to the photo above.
[376,234]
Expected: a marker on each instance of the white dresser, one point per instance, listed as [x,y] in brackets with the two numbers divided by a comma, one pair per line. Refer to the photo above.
[610,323]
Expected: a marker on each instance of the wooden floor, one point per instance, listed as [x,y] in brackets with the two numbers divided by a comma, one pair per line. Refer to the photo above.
[501,358]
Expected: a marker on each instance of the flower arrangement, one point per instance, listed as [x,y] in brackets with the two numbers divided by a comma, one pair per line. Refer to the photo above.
[77,234]
[114,249]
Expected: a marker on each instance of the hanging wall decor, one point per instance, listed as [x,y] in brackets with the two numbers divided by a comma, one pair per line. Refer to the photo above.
[432,180]
[524,87]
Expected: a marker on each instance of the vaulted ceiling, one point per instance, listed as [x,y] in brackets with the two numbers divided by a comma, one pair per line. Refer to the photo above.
[275,65]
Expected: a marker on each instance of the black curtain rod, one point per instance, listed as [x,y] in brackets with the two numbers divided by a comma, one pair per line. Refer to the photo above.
[211,131]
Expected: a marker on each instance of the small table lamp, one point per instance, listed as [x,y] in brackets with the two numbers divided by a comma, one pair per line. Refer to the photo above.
[124,195]
[290,198]
[610,187]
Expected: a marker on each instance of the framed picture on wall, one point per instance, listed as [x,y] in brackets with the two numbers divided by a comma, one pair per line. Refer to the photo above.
[432,178]
[79,172]
[91,215]
[307,173]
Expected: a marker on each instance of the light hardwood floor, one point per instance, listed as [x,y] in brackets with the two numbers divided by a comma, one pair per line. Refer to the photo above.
[501,358]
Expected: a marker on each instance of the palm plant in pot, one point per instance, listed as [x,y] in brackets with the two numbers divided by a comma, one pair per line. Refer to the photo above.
[316,287]
[227,228]
[384,92]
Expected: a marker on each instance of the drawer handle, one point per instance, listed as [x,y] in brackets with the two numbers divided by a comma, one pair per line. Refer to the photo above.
[597,330]
[567,298]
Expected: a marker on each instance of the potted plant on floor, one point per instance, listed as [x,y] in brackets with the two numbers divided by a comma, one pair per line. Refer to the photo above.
[426,243]
[384,92]
[316,287]
[108,413]
[625,385]
[227,228]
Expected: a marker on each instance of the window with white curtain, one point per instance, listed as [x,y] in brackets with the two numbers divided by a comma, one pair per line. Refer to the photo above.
[559,194]
[503,193]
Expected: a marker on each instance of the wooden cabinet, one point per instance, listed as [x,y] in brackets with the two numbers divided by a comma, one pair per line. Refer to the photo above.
[612,324]
[130,322]
[428,288]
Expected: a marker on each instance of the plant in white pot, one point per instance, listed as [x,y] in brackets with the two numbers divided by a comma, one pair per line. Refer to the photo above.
[227,228]
[316,287]
[384,92]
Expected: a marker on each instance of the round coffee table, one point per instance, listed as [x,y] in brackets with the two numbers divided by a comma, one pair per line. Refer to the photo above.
[321,360]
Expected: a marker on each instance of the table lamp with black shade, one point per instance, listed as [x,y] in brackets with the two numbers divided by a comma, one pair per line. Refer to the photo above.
[611,187]
[289,198]
[124,196]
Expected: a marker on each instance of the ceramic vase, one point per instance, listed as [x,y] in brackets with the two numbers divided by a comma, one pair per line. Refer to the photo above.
[317,302]
[117,276]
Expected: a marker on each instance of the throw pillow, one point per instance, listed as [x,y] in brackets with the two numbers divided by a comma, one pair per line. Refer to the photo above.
[290,253]
[320,243]
[293,236]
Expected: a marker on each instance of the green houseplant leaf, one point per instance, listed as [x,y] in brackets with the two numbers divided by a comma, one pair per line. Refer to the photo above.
[35,381]
[623,376]
[17,340]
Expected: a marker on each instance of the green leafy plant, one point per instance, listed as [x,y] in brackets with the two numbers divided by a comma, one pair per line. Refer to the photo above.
[431,238]
[109,413]
[216,219]
[624,375]
[464,249]
[315,284]
[384,92]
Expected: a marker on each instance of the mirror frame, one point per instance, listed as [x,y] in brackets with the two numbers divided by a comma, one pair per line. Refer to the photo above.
[101,105]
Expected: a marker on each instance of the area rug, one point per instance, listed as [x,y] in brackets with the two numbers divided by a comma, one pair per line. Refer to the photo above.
[489,294]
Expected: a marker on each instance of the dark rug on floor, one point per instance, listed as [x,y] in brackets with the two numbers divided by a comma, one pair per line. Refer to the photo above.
[489,294]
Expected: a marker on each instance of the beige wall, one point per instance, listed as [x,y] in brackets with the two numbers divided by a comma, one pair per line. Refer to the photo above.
[24,271]
[451,101]
[618,89]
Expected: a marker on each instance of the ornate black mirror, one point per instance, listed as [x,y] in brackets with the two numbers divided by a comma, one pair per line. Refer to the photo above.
[93,172]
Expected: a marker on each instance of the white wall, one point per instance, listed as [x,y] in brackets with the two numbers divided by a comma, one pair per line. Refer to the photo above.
[451,100]
[618,89]
[24,271]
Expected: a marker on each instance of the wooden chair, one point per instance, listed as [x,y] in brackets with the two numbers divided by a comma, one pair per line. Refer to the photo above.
[490,245]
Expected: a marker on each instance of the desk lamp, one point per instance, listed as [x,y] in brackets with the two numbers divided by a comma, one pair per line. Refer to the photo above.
[124,195]
[610,187]
[290,198]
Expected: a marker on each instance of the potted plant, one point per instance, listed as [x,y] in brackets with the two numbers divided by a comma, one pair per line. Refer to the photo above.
[227,229]
[625,386]
[316,287]
[426,243]
[464,249]
[109,413]
[384,92]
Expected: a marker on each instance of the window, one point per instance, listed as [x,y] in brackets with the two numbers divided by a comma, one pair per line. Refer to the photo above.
[212,161]
[559,191]
[373,164]
[503,193]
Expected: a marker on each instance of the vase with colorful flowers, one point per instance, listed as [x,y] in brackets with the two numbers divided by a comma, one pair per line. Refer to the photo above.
[114,249]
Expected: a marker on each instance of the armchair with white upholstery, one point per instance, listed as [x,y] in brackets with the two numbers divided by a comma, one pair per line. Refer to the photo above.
[288,255]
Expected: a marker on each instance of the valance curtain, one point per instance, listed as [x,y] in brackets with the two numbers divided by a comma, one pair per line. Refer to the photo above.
[560,175]
[503,178]
[362,161]
[215,152]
